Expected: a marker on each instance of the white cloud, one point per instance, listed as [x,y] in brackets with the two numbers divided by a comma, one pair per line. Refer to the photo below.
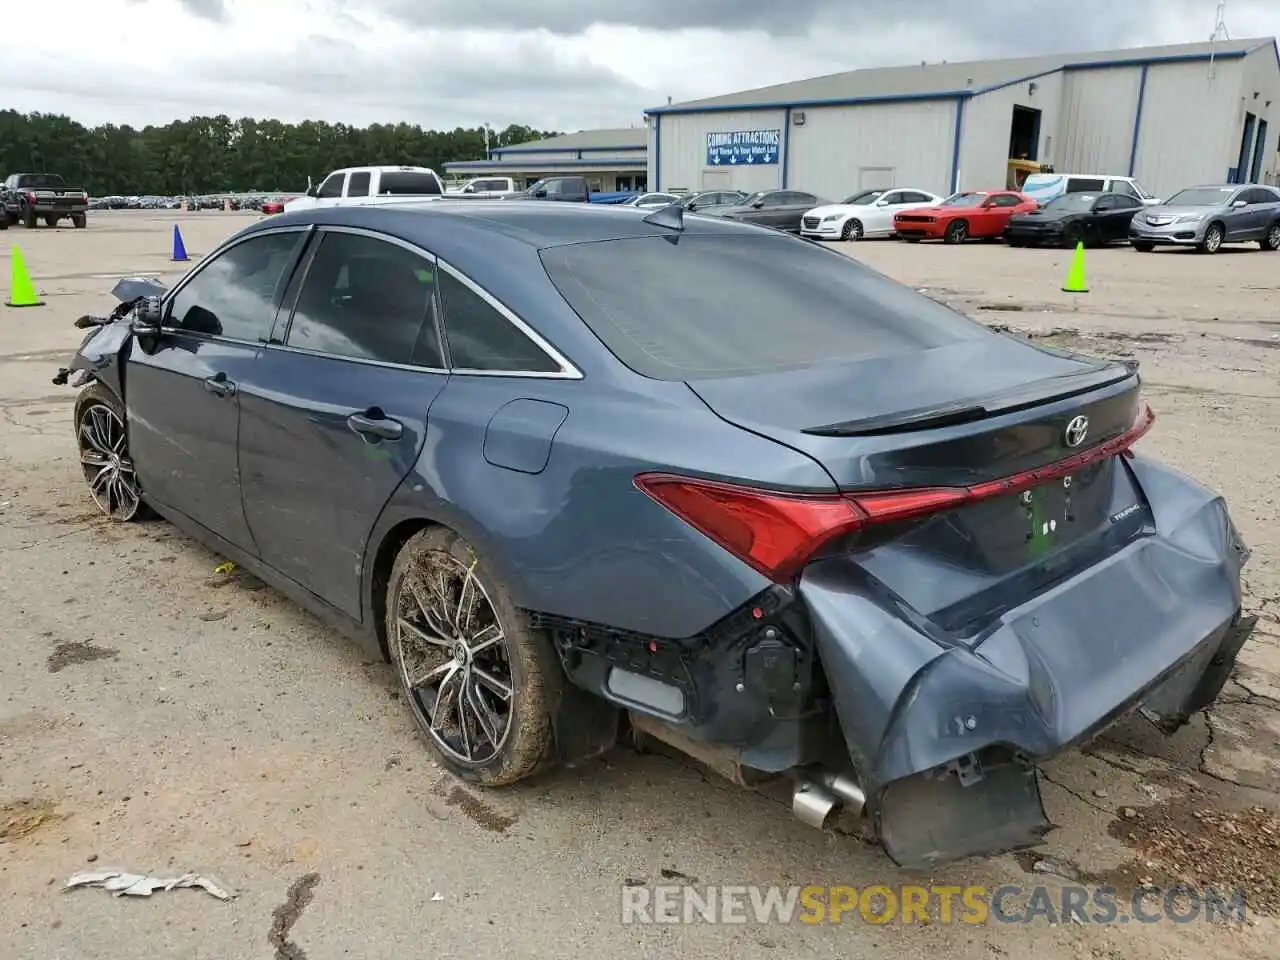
[563,64]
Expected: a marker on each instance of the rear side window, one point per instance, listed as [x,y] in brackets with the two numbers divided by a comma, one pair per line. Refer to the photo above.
[720,306]
[407,183]
[480,337]
[234,295]
[366,299]
[358,185]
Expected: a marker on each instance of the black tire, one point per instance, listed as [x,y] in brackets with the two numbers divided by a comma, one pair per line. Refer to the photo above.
[1015,241]
[522,658]
[1143,246]
[912,239]
[1213,238]
[1272,240]
[79,220]
[852,229]
[119,502]
[10,218]
[29,220]
[957,232]
[50,221]
[1072,236]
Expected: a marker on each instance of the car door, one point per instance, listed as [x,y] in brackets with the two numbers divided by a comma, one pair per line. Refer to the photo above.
[182,396]
[794,206]
[993,216]
[1124,207]
[334,413]
[878,218]
[1237,216]
[1257,214]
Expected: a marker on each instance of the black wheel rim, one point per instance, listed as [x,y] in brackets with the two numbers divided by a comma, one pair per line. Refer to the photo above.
[104,456]
[453,660]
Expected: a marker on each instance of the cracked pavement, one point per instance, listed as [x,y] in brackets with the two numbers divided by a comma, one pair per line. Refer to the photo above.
[197,722]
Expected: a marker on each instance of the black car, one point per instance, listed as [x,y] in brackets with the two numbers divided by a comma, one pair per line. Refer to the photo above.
[780,209]
[1089,218]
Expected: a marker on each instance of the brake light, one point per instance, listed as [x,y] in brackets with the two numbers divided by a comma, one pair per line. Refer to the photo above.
[31,197]
[777,533]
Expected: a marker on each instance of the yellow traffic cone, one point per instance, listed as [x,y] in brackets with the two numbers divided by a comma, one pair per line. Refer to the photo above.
[21,292]
[1075,276]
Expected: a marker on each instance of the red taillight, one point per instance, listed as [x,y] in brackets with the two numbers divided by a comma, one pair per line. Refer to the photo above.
[777,533]
[31,197]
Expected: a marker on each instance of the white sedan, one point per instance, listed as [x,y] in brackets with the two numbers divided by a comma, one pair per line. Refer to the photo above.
[868,213]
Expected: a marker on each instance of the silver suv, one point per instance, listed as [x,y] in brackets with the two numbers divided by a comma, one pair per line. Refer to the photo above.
[1207,217]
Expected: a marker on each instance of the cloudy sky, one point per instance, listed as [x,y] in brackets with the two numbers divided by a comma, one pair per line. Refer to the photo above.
[551,64]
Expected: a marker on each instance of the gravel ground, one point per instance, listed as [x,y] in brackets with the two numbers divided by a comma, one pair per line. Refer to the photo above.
[161,718]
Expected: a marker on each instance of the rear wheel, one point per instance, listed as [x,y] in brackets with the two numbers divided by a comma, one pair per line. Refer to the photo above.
[1212,241]
[78,220]
[29,220]
[957,232]
[103,441]
[50,221]
[479,680]
[852,229]
[1142,246]
[1272,240]
[10,218]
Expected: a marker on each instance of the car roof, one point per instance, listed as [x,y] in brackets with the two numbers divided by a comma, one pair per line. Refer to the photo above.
[445,226]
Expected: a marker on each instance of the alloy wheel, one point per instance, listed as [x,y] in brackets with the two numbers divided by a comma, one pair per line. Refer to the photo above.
[104,456]
[1213,239]
[453,657]
[852,230]
[1273,237]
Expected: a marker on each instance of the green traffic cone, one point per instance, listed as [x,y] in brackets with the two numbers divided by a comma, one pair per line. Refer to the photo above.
[21,292]
[1075,276]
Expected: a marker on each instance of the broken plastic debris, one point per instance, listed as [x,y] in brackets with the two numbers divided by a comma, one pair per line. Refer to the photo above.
[225,567]
[137,885]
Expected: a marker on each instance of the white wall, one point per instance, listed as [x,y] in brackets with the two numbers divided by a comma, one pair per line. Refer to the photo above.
[1190,125]
[684,150]
[1096,122]
[984,146]
[1260,73]
[839,150]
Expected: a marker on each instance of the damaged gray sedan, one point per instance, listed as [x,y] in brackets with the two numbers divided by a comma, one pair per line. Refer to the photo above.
[578,472]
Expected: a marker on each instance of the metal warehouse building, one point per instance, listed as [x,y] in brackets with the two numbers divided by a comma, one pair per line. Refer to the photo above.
[1170,116]
[609,159]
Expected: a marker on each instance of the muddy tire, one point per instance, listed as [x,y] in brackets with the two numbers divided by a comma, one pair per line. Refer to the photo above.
[1212,241]
[480,682]
[102,439]
[957,232]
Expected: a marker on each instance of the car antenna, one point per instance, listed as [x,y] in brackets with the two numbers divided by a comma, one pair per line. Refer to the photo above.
[671,216]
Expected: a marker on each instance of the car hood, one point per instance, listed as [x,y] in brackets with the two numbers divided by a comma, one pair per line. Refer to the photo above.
[841,209]
[938,211]
[1160,210]
[1048,216]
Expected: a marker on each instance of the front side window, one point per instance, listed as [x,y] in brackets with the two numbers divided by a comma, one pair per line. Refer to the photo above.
[1123,187]
[234,295]
[1005,200]
[964,200]
[481,338]
[367,299]
[332,187]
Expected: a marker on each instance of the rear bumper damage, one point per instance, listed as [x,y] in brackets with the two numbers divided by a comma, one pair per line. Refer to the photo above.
[945,738]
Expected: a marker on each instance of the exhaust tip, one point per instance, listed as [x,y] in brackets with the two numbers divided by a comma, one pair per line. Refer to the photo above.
[812,804]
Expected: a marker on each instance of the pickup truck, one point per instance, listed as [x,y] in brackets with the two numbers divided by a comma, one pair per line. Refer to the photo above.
[564,189]
[31,197]
[486,188]
[360,186]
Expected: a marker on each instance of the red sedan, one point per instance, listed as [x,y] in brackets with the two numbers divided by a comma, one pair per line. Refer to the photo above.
[970,214]
[273,206]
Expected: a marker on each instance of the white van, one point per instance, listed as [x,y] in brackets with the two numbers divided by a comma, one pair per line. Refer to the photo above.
[1043,187]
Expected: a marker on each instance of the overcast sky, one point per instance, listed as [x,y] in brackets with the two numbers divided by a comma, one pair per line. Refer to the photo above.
[551,64]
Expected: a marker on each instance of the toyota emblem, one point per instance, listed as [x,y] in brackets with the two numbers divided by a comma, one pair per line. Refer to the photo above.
[1076,431]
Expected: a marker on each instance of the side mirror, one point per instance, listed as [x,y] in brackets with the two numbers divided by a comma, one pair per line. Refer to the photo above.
[882,203]
[147,317]
[1238,204]
[757,204]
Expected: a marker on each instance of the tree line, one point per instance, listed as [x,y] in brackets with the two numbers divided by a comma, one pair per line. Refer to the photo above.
[205,155]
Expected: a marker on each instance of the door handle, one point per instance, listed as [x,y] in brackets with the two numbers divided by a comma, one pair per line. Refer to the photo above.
[219,385]
[375,427]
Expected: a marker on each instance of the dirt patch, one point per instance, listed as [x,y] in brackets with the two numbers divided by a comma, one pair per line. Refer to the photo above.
[301,893]
[77,651]
[476,809]
[24,817]
[1192,843]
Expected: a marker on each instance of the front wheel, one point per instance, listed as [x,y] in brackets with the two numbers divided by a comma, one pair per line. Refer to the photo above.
[103,443]
[50,221]
[852,230]
[1143,246]
[479,680]
[957,232]
[1212,241]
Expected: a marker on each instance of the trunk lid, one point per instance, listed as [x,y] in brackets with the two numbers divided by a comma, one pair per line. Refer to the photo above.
[1026,432]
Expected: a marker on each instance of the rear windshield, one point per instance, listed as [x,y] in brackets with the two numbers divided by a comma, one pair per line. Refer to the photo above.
[37,181]
[719,306]
[407,183]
